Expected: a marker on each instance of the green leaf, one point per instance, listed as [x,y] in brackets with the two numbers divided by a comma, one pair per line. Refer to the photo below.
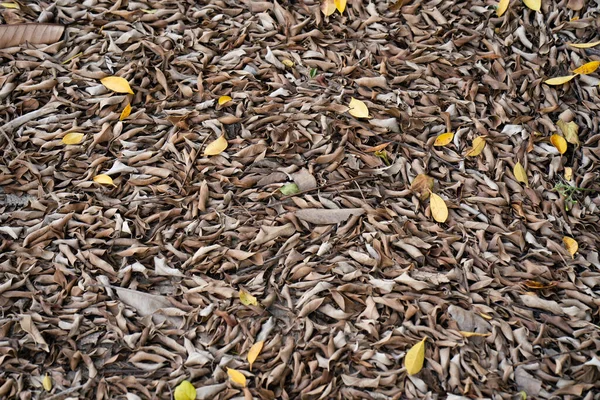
[289,189]
[185,391]
[313,72]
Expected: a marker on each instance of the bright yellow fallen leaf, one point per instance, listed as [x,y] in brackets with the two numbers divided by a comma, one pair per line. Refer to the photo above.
[559,80]
[535,5]
[328,7]
[439,210]
[571,245]
[415,357]
[568,173]
[584,45]
[247,299]
[473,334]
[104,180]
[570,131]
[486,316]
[587,68]
[224,99]
[116,84]
[443,139]
[73,138]
[559,142]
[254,352]
[502,7]
[340,5]
[478,146]
[520,174]
[47,383]
[287,62]
[14,6]
[125,113]
[358,109]
[236,377]
[216,147]
[185,391]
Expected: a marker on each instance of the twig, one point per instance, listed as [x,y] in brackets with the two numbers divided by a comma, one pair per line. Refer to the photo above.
[67,391]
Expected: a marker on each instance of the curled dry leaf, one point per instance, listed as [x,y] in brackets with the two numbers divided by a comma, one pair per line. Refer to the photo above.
[478,146]
[125,113]
[247,299]
[103,179]
[571,245]
[444,139]
[535,5]
[358,109]
[584,45]
[224,99]
[587,68]
[18,34]
[117,84]
[415,357]
[73,138]
[559,80]
[559,142]
[321,216]
[254,352]
[185,391]
[520,173]
[236,377]
[422,185]
[216,147]
[439,210]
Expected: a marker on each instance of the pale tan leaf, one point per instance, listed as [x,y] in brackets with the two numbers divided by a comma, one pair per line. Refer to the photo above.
[216,147]
[535,5]
[247,299]
[103,179]
[571,245]
[17,34]
[559,142]
[328,7]
[321,216]
[422,185]
[520,173]
[568,173]
[559,80]
[478,146]
[73,138]
[358,108]
[224,99]
[125,113]
[443,139]
[502,7]
[236,377]
[439,210]
[587,68]
[28,326]
[415,357]
[254,352]
[116,84]
[584,45]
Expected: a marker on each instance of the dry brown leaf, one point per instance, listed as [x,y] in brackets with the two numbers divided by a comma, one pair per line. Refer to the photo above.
[18,34]
[320,216]
[28,326]
[422,185]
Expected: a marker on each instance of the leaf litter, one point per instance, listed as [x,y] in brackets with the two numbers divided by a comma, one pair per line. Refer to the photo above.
[127,288]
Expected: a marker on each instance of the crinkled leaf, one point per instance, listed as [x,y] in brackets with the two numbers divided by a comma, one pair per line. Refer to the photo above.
[478,146]
[247,299]
[570,131]
[502,7]
[104,179]
[185,391]
[444,139]
[520,173]
[125,113]
[358,108]
[289,189]
[254,352]
[116,84]
[236,377]
[216,147]
[415,357]
[571,245]
[587,68]
[422,185]
[559,80]
[439,210]
[535,5]
[73,138]
[224,99]
[559,142]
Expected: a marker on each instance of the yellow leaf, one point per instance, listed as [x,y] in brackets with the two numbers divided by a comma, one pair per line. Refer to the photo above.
[216,147]
[502,7]
[559,80]
[439,210]
[14,6]
[486,316]
[584,45]
[328,7]
[471,334]
[117,84]
[236,377]
[47,383]
[73,138]
[570,131]
[185,391]
[415,357]
[125,113]
[559,142]
[358,109]
[287,62]
[104,179]
[478,146]
[520,174]
[254,352]
[444,139]
[247,299]
[571,245]
[535,5]
[587,68]
[224,99]
[568,173]
[340,5]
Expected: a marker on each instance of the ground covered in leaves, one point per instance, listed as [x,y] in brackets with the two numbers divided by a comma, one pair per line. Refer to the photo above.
[124,287]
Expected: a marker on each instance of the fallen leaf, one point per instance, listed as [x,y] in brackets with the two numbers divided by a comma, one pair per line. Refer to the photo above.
[104,179]
[47,383]
[73,138]
[478,146]
[535,5]
[185,391]
[340,5]
[328,7]
[16,34]
[358,109]
[584,45]
[216,147]
[254,352]
[520,173]
[415,357]
[502,7]
[289,189]
[224,99]
[537,285]
[116,84]
[559,142]
[422,185]
[468,320]
[587,68]
[146,304]
[28,326]
[247,299]
[439,210]
[568,173]
[559,80]
[472,334]
[287,62]
[570,131]
[571,245]
[13,6]
[236,377]
[321,216]
[125,113]
[444,139]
